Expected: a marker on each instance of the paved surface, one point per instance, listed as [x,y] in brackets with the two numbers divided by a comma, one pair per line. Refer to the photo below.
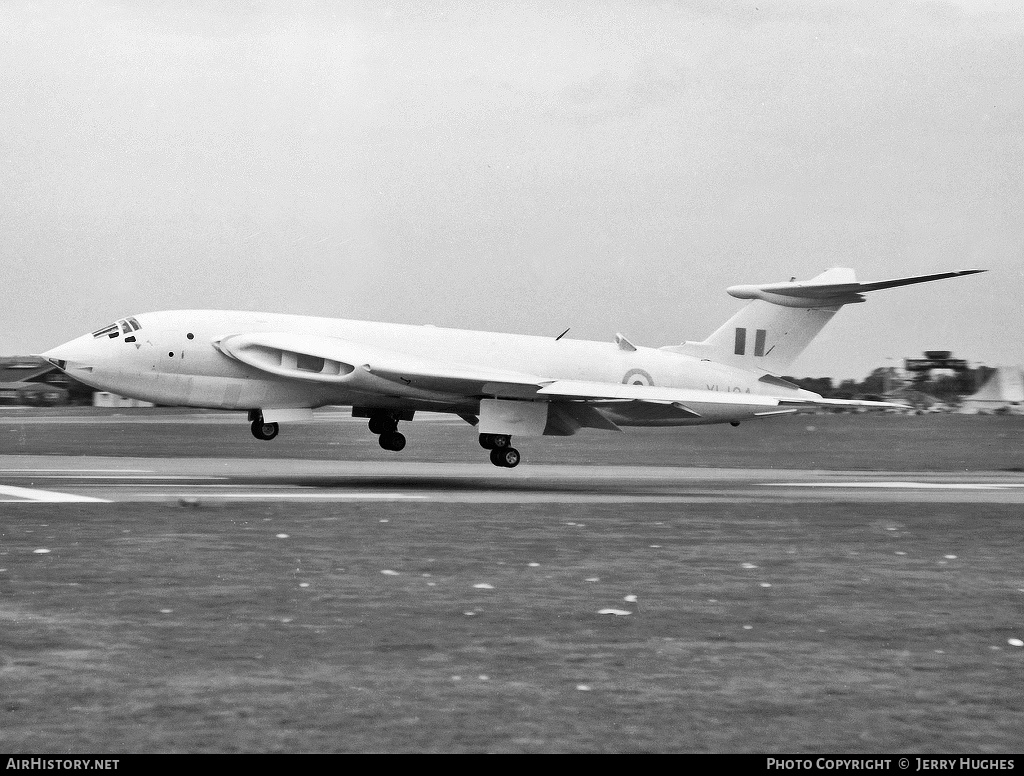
[43,479]
[319,594]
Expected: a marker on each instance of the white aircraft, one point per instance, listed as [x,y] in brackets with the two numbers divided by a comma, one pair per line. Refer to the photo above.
[279,367]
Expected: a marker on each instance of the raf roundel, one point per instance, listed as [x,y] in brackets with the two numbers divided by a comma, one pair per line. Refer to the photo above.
[637,377]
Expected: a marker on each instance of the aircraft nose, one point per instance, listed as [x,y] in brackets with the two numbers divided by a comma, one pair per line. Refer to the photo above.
[77,352]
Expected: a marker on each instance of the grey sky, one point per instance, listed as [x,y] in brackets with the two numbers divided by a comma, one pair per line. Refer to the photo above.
[609,166]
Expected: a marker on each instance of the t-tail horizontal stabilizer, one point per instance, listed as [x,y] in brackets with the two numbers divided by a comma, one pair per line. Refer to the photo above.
[837,286]
[782,318]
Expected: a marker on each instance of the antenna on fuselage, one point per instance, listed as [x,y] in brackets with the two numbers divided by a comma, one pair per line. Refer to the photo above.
[562,334]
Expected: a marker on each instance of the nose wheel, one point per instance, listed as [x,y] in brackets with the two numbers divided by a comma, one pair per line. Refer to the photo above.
[263,430]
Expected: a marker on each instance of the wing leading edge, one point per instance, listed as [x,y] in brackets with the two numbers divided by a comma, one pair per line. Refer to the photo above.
[313,358]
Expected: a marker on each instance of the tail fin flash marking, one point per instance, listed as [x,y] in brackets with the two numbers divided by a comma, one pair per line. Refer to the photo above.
[741,342]
[759,342]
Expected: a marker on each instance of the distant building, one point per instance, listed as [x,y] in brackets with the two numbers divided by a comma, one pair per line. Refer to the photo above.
[35,382]
[1003,392]
[27,380]
[934,360]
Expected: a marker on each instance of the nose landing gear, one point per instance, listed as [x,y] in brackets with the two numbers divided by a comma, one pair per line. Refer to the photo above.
[263,430]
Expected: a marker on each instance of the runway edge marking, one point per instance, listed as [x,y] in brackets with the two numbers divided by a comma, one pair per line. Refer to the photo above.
[901,485]
[30,496]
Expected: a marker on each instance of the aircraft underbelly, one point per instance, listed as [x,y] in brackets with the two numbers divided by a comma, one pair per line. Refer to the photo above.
[205,391]
[223,392]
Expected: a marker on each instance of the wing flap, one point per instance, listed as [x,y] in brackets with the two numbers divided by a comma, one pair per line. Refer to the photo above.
[649,393]
[697,403]
[849,403]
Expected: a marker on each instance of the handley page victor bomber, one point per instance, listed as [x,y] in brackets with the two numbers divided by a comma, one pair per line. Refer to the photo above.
[279,367]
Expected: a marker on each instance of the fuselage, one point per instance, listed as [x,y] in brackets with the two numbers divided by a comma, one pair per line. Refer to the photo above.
[171,358]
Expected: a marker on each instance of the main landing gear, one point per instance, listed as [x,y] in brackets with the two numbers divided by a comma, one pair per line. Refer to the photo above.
[502,452]
[386,426]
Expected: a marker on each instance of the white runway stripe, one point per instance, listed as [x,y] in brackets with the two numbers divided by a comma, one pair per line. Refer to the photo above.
[896,485]
[321,496]
[102,471]
[27,495]
[126,477]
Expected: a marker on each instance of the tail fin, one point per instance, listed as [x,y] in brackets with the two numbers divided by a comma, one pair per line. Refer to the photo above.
[773,329]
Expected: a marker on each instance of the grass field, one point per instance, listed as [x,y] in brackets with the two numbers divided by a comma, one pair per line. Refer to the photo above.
[850,628]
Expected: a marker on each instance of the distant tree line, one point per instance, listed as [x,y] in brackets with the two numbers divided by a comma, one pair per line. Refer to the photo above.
[945,386]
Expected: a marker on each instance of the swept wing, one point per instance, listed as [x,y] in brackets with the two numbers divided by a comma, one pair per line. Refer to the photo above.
[322,359]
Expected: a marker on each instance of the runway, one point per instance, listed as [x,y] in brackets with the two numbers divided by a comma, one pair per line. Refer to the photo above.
[102,479]
[823,583]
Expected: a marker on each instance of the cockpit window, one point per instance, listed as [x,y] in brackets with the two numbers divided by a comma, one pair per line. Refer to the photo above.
[107,331]
[127,325]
